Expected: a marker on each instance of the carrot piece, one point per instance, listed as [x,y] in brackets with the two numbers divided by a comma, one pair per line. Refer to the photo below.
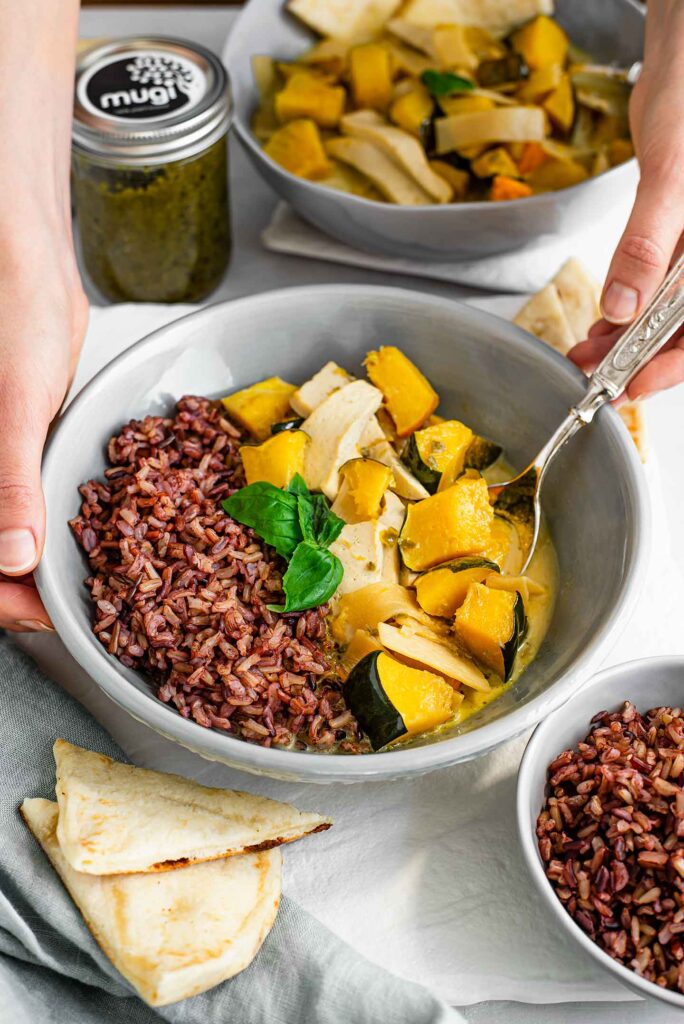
[533,156]
[508,188]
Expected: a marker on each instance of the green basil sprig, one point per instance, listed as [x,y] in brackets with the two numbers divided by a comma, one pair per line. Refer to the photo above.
[443,83]
[301,527]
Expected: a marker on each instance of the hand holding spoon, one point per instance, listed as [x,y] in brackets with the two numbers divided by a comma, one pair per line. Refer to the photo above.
[652,329]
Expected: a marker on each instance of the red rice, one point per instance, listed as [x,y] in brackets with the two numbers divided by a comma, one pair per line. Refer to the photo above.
[179,589]
[611,835]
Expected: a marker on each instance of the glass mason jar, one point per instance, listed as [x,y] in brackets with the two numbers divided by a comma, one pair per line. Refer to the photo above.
[150,169]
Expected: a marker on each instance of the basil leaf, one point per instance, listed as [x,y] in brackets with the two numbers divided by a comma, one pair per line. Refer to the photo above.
[318,524]
[330,526]
[297,485]
[442,83]
[271,512]
[313,576]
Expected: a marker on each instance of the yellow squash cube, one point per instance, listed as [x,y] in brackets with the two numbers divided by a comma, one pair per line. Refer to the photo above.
[298,147]
[451,523]
[259,406]
[371,76]
[309,96]
[277,460]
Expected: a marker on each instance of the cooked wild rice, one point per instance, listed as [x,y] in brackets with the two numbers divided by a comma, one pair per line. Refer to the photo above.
[612,837]
[180,589]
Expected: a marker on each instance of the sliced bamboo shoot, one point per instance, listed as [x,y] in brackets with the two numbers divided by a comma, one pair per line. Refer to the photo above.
[432,655]
[503,124]
[387,176]
[401,147]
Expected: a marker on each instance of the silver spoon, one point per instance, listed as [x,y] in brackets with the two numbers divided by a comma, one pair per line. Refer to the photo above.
[652,329]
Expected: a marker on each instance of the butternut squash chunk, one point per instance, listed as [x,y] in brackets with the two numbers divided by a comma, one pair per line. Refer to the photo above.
[360,645]
[259,406]
[540,84]
[443,590]
[560,105]
[364,482]
[371,76]
[496,161]
[277,460]
[431,450]
[409,397]
[555,174]
[298,148]
[452,523]
[308,96]
[492,625]
[412,109]
[541,43]
[505,546]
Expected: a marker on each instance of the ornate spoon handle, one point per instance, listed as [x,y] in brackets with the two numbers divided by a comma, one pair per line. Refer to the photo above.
[650,331]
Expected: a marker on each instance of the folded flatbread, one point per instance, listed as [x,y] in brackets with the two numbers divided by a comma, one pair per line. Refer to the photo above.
[544,316]
[115,818]
[499,16]
[176,934]
[356,20]
[579,295]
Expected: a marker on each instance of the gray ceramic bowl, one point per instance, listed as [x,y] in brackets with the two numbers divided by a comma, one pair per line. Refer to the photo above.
[648,684]
[611,30]
[498,379]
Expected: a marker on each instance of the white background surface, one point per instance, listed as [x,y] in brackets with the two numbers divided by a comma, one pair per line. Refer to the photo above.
[254,270]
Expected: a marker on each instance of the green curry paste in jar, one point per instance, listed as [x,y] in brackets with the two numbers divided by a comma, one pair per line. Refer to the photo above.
[150,169]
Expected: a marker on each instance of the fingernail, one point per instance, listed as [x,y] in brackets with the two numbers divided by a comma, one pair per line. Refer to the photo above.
[35,626]
[620,303]
[17,550]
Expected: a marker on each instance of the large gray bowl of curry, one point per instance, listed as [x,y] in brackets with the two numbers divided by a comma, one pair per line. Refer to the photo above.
[610,30]
[498,379]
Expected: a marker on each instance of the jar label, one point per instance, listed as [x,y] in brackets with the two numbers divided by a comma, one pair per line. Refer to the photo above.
[142,84]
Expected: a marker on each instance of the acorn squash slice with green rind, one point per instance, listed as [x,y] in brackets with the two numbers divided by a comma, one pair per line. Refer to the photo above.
[492,624]
[430,451]
[479,455]
[442,590]
[391,700]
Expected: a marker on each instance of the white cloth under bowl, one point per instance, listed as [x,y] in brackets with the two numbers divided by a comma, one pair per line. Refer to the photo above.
[422,876]
[525,270]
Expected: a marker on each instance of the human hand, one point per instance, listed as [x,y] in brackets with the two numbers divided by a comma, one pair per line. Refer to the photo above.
[43,316]
[654,230]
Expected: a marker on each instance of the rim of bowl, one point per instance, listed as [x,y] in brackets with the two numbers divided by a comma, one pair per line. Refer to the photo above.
[528,841]
[246,136]
[305,765]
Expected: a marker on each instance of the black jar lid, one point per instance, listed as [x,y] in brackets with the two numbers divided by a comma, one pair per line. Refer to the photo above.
[149,100]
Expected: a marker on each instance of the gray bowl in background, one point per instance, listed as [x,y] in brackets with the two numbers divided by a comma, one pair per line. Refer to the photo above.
[611,30]
[501,381]
[648,683]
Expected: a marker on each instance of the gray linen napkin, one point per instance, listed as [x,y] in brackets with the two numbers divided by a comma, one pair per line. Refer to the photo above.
[53,972]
